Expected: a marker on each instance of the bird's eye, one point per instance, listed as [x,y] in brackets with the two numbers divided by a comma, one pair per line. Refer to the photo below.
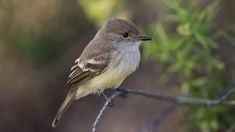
[125,34]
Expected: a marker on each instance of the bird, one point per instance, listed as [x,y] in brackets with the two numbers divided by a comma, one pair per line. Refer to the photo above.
[111,56]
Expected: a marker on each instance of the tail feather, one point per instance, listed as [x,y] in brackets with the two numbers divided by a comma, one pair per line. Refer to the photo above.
[65,105]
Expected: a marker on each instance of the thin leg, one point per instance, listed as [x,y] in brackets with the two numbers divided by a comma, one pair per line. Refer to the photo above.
[111,104]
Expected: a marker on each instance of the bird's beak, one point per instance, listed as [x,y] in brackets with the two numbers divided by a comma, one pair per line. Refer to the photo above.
[143,38]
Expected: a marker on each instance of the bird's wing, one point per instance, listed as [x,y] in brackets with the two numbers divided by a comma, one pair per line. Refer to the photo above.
[81,72]
[84,70]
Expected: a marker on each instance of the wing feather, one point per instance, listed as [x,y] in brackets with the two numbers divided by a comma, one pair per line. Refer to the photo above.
[84,70]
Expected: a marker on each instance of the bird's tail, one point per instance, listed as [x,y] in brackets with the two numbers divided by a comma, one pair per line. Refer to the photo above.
[65,105]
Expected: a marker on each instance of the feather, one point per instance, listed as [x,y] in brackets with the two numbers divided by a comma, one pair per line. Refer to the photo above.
[81,72]
[65,105]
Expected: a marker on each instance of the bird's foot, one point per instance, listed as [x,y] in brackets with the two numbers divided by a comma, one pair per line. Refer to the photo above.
[123,92]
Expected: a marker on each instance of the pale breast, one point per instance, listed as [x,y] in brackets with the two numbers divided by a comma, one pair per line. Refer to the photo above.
[123,63]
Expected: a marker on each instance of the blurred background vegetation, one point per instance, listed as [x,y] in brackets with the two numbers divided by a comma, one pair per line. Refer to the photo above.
[192,54]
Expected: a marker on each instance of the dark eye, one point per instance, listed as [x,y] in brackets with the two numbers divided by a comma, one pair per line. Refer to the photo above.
[125,34]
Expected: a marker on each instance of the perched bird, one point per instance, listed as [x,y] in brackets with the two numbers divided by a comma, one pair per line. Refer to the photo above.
[107,60]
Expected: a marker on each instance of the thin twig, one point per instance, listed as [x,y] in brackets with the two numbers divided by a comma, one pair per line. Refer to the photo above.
[94,125]
[186,100]
[152,124]
[163,113]
[227,95]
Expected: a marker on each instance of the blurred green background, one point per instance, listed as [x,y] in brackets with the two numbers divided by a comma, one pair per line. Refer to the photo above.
[192,54]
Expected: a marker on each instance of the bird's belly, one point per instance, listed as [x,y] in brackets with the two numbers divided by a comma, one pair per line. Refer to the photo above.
[108,79]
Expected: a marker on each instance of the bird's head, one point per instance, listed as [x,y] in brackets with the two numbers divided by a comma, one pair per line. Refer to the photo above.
[122,32]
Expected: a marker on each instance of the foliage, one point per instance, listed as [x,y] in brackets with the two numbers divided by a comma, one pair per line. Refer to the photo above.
[99,11]
[184,42]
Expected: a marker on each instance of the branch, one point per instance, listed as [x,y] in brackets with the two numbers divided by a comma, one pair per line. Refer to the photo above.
[158,119]
[173,99]
[186,100]
[94,125]
[152,124]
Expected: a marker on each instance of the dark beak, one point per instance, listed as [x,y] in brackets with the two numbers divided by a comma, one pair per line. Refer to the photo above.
[144,38]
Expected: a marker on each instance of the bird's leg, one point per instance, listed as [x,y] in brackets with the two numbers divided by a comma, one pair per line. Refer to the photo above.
[111,104]
[123,92]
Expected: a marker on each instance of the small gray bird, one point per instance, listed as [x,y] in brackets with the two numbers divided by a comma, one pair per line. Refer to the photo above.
[107,60]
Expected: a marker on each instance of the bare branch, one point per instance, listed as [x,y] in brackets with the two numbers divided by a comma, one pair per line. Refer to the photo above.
[227,95]
[152,124]
[186,100]
[103,109]
[223,100]
[163,113]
